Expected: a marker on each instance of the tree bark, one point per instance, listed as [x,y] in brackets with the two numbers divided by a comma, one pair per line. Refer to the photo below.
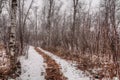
[12,34]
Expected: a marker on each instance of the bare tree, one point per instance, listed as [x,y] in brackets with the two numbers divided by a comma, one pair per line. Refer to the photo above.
[73,29]
[1,5]
[12,37]
[22,25]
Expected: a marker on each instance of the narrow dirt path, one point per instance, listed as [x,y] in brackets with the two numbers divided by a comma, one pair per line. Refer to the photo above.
[53,69]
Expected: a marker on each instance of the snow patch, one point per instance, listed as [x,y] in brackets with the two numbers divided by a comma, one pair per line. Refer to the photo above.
[68,69]
[33,68]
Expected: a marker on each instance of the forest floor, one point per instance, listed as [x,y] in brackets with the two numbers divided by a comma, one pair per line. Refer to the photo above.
[43,65]
[100,67]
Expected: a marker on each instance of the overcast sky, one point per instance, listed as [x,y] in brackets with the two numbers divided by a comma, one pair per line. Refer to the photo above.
[65,2]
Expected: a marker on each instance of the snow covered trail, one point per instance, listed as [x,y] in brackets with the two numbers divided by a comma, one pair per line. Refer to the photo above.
[68,69]
[33,68]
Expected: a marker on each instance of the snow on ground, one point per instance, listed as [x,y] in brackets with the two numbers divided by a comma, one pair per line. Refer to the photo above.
[68,69]
[33,68]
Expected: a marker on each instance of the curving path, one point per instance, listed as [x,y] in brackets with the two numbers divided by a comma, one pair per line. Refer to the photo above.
[41,65]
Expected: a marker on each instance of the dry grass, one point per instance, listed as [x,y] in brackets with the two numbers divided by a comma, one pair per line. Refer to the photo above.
[102,64]
[4,61]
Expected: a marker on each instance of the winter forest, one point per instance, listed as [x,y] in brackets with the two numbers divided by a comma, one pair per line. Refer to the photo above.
[59,40]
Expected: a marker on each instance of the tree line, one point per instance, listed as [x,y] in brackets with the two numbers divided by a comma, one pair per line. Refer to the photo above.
[78,28]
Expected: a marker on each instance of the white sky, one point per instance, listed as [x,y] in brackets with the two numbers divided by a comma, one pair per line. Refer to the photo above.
[65,2]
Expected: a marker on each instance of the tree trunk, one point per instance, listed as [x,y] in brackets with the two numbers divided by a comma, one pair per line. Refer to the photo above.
[12,36]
